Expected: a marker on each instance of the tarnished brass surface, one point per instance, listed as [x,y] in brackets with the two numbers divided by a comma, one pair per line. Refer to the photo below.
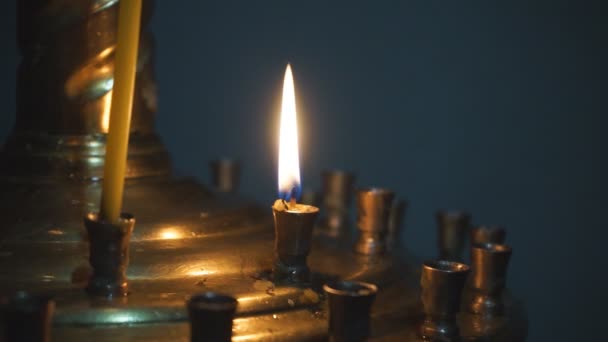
[187,240]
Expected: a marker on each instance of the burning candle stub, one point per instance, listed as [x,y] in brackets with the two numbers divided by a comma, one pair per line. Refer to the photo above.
[292,206]
[293,222]
[293,237]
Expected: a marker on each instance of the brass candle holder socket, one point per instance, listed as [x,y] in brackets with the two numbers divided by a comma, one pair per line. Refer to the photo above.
[293,239]
[225,175]
[27,317]
[337,192]
[108,254]
[441,284]
[488,234]
[489,264]
[453,227]
[350,304]
[373,210]
[211,316]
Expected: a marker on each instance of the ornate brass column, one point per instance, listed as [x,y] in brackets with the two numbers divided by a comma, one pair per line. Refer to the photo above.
[64,91]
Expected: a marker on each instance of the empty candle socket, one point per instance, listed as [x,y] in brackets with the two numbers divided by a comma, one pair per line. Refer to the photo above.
[453,227]
[350,304]
[373,211]
[108,254]
[488,234]
[489,264]
[441,284]
[225,175]
[27,317]
[337,193]
[211,315]
[293,238]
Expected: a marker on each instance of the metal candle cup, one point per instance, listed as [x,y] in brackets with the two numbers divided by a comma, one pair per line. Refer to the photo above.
[293,237]
[350,304]
[28,317]
[225,175]
[373,210]
[108,254]
[489,263]
[337,192]
[453,227]
[211,316]
[488,234]
[441,283]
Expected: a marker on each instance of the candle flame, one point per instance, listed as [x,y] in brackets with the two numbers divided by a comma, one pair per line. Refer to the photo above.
[289,159]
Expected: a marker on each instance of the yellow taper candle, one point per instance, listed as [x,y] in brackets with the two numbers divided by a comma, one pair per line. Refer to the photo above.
[125,62]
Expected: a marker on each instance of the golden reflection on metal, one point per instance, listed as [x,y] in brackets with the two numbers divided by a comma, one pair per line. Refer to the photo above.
[92,80]
[245,325]
[105,112]
[170,233]
[122,317]
[100,5]
[95,161]
[198,273]
[246,299]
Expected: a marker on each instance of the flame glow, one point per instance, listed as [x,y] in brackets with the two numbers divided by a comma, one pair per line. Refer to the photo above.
[289,158]
[170,233]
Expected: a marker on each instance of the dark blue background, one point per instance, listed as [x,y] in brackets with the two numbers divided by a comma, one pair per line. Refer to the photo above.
[499,108]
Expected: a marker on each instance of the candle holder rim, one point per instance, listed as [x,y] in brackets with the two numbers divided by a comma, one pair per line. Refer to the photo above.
[489,227]
[453,214]
[492,247]
[375,190]
[350,288]
[446,266]
[213,301]
[314,210]
[225,161]
[94,216]
[337,173]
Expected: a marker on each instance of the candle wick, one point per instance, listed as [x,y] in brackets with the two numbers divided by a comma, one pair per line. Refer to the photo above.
[285,204]
[292,202]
